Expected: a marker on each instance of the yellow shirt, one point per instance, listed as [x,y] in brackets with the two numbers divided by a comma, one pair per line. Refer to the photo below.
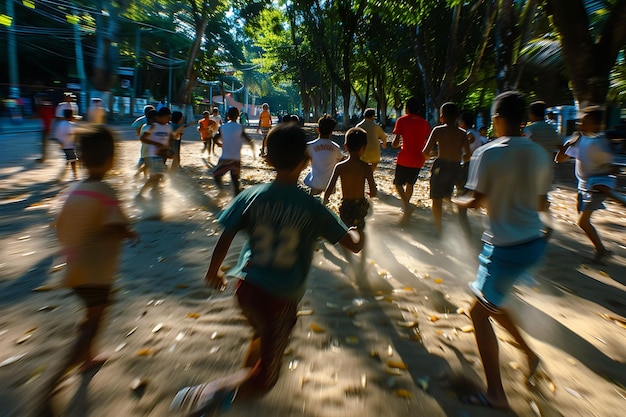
[265,119]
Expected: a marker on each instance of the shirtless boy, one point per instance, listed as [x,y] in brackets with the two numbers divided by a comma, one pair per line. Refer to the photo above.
[354,173]
[446,171]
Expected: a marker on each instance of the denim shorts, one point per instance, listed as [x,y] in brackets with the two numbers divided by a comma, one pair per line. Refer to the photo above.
[500,268]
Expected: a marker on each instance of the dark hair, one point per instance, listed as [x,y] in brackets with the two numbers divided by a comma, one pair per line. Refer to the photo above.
[356,139]
[204,113]
[67,113]
[369,112]
[467,118]
[177,117]
[286,146]
[537,109]
[286,118]
[233,113]
[151,115]
[215,110]
[294,118]
[164,111]
[412,105]
[511,106]
[147,108]
[449,111]
[96,146]
[326,124]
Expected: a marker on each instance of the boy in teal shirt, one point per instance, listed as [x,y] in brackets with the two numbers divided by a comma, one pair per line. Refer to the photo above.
[283,223]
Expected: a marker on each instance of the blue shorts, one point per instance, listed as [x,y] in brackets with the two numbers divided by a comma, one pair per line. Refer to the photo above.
[590,201]
[500,268]
[155,165]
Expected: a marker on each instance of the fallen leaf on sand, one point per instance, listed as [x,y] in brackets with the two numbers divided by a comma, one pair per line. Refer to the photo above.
[403,393]
[12,360]
[514,365]
[437,280]
[407,324]
[43,288]
[397,364]
[23,339]
[193,315]
[305,313]
[573,393]
[157,328]
[138,383]
[216,335]
[145,352]
[133,330]
[433,318]
[393,371]
[317,328]
[467,329]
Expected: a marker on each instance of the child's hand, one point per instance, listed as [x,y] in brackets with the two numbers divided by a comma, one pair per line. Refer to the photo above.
[217,280]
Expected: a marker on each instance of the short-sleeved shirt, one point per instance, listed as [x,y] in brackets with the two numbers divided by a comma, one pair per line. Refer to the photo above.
[232,141]
[92,256]
[543,134]
[265,119]
[414,131]
[513,172]
[66,105]
[593,158]
[324,154]
[144,146]
[65,134]
[283,223]
[207,127]
[375,134]
[161,134]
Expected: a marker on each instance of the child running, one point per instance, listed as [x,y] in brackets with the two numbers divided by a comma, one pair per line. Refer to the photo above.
[354,173]
[510,177]
[446,172]
[230,138]
[158,136]
[283,223]
[324,154]
[207,128]
[65,134]
[265,124]
[594,170]
[91,227]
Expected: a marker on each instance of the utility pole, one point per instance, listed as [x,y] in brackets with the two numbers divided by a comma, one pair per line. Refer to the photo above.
[80,66]
[14,89]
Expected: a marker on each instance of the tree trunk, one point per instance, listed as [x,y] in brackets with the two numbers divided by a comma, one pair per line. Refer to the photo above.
[589,63]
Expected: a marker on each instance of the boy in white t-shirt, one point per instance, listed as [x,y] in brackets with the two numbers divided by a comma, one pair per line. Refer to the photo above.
[65,133]
[324,154]
[230,138]
[158,137]
[594,170]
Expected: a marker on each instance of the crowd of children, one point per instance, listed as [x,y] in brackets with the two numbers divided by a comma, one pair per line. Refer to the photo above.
[510,177]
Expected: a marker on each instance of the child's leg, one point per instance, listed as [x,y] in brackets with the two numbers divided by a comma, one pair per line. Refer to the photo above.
[584,222]
[234,176]
[273,319]
[437,210]
[610,193]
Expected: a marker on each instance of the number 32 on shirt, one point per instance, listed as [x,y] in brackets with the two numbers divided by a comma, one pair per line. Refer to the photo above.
[275,248]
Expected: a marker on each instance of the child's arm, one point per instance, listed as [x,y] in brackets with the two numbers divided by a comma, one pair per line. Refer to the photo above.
[330,188]
[561,156]
[145,137]
[249,140]
[396,141]
[467,152]
[430,144]
[215,277]
[353,240]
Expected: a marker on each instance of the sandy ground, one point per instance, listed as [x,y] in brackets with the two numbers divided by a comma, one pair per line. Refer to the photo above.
[395,341]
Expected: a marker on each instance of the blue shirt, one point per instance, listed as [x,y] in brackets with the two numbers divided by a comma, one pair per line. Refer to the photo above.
[283,223]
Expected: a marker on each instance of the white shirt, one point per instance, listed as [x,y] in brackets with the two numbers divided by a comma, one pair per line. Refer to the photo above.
[160,133]
[66,105]
[232,140]
[64,132]
[593,158]
[512,172]
[324,154]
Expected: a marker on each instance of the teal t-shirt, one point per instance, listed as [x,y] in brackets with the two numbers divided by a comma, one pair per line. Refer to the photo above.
[282,222]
